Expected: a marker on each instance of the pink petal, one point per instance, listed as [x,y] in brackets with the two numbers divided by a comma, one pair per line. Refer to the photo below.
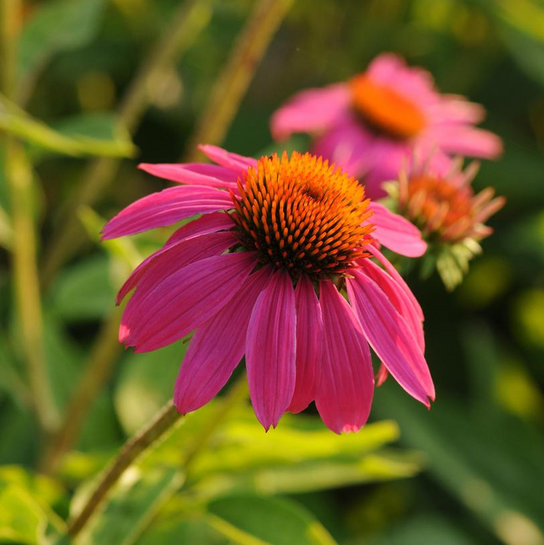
[310,111]
[165,208]
[172,257]
[346,387]
[396,233]
[456,109]
[398,279]
[210,223]
[467,140]
[193,174]
[390,337]
[184,300]
[381,375]
[226,159]
[270,350]
[398,298]
[217,347]
[309,345]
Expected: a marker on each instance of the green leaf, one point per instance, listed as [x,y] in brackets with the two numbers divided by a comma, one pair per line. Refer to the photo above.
[57,25]
[21,518]
[15,121]
[134,502]
[84,291]
[145,384]
[254,520]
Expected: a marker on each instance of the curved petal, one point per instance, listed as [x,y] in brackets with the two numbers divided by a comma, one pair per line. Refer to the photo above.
[309,345]
[172,257]
[390,337]
[398,298]
[165,208]
[184,300]
[226,159]
[396,233]
[398,279]
[217,347]
[346,387]
[193,174]
[210,223]
[310,111]
[467,140]
[270,350]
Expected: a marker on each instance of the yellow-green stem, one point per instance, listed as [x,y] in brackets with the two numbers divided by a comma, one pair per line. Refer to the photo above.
[164,420]
[191,17]
[231,85]
[20,181]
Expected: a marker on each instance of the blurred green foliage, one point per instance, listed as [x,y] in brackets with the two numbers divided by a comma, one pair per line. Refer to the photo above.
[470,471]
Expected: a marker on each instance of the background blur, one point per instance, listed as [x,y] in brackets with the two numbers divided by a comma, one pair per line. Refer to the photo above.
[470,471]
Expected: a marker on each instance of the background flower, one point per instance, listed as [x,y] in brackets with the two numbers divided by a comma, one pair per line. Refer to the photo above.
[372,123]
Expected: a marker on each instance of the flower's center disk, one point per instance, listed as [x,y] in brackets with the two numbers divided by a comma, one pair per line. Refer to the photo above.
[438,201]
[302,214]
[385,109]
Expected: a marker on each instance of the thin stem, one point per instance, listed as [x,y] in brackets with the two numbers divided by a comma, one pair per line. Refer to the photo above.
[25,272]
[231,86]
[96,373]
[165,419]
[187,22]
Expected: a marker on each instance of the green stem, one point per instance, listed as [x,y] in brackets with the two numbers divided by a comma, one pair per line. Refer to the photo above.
[20,181]
[165,419]
[187,22]
[96,372]
[231,86]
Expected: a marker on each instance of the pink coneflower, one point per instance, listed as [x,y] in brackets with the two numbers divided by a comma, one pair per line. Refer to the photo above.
[451,217]
[263,274]
[372,123]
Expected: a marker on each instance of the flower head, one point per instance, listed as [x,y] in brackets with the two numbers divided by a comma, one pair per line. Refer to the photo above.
[373,122]
[278,268]
[449,214]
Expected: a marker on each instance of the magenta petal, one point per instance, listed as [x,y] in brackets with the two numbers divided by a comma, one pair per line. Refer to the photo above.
[398,298]
[346,387]
[172,257]
[227,159]
[390,337]
[310,111]
[165,208]
[467,140]
[210,223]
[398,279]
[309,345]
[270,350]
[217,347]
[193,174]
[396,233]
[184,300]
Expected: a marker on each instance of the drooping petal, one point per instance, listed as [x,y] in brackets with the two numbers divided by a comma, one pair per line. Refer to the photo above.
[309,345]
[172,257]
[193,174]
[310,111]
[165,208]
[346,387]
[390,337]
[210,223]
[217,347]
[396,233]
[184,300]
[227,159]
[271,350]
[398,279]
[398,298]
[467,140]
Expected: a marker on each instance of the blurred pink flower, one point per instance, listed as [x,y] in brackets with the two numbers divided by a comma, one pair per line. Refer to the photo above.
[261,273]
[372,124]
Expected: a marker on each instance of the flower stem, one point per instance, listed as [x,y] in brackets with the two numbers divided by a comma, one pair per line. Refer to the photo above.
[190,18]
[163,421]
[231,86]
[24,244]
[96,372]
